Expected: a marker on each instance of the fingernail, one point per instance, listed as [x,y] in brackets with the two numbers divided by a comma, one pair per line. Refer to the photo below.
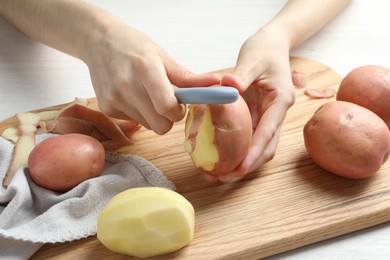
[210,179]
[229,178]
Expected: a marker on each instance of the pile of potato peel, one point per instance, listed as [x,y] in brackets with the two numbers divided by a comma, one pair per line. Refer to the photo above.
[81,124]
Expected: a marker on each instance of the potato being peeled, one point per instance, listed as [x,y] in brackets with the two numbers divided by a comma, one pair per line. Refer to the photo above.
[347,139]
[62,162]
[369,87]
[217,136]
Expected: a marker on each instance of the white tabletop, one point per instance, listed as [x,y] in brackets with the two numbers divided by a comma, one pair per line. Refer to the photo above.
[205,36]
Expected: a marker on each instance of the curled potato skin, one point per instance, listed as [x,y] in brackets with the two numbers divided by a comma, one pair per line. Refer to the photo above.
[62,162]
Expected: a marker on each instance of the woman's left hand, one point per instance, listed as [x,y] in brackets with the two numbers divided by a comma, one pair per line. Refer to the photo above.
[263,77]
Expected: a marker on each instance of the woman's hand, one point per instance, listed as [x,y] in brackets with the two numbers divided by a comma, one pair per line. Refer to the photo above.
[134,78]
[263,77]
[131,75]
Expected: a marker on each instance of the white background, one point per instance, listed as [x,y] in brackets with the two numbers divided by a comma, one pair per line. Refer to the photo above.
[205,36]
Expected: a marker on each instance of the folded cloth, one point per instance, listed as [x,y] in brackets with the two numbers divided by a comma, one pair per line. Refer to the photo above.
[31,216]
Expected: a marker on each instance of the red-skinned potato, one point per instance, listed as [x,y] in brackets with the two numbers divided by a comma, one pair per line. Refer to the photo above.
[217,136]
[369,87]
[347,139]
[62,162]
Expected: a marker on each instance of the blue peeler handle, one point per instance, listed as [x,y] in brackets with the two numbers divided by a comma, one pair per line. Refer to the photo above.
[206,95]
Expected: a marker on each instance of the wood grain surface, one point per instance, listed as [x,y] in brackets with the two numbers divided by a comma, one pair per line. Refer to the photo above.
[288,203]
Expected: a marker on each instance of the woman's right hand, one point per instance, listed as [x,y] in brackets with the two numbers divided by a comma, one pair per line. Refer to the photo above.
[134,78]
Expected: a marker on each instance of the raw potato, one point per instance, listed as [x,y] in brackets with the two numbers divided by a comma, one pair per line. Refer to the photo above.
[62,162]
[347,139]
[146,222]
[368,86]
[217,137]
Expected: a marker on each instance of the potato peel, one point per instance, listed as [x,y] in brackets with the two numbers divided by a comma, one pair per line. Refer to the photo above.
[26,142]
[320,93]
[114,134]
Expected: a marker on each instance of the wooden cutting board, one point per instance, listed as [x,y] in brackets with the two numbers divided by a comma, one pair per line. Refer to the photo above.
[288,203]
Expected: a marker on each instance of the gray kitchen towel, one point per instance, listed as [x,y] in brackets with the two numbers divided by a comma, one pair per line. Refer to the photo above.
[31,216]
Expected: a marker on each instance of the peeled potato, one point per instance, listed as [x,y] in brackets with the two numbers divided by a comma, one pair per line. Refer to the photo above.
[146,222]
[347,139]
[217,137]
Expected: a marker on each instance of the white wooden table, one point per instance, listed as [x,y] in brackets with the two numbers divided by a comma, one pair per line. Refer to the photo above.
[205,36]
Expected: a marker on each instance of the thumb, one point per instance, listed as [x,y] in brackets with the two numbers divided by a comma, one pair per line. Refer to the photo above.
[235,81]
[182,77]
[244,74]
